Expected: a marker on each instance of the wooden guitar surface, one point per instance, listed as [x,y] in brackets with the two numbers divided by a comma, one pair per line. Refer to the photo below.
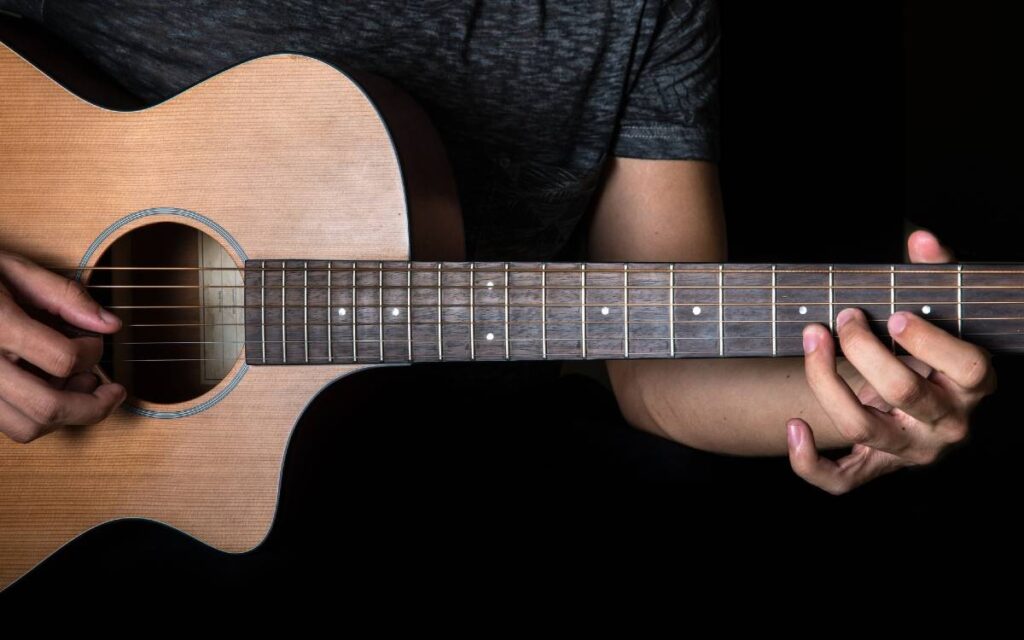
[290,158]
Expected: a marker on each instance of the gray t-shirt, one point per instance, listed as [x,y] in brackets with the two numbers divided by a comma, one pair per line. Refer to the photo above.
[530,97]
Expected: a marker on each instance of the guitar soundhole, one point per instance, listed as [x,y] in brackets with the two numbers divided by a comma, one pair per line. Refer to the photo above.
[180,298]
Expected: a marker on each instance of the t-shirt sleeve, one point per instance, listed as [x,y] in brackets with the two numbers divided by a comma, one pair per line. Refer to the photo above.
[671,109]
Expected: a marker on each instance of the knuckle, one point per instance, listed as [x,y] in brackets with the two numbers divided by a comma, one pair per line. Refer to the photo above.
[852,339]
[7,305]
[956,432]
[916,341]
[857,431]
[73,290]
[28,433]
[925,456]
[7,259]
[45,410]
[838,487]
[22,436]
[977,370]
[65,361]
[907,391]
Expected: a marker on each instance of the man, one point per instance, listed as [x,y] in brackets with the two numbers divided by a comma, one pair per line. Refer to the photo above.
[546,112]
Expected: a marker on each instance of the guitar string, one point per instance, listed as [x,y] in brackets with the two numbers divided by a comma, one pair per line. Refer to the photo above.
[530,339]
[609,304]
[527,287]
[433,323]
[401,354]
[575,269]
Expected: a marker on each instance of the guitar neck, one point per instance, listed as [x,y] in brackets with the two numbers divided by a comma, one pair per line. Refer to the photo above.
[322,312]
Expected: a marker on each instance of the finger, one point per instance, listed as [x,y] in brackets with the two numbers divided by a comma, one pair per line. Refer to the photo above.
[924,248]
[47,406]
[17,425]
[82,382]
[967,365]
[897,383]
[855,422]
[56,294]
[43,346]
[836,477]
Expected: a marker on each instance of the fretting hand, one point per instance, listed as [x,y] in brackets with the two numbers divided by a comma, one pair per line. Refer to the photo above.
[45,376]
[909,410]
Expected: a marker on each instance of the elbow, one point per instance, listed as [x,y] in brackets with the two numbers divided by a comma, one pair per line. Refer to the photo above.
[631,394]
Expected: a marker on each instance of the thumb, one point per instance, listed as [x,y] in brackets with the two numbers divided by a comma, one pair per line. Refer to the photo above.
[925,248]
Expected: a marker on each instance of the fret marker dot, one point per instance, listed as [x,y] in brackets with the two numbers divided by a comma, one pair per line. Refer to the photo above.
[604,311]
[395,311]
[490,284]
[803,311]
[926,309]
[341,311]
[490,336]
[696,311]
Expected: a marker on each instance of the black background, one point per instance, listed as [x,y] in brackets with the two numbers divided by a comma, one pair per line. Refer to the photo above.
[841,121]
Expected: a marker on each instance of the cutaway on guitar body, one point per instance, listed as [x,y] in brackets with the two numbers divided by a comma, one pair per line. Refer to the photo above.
[280,157]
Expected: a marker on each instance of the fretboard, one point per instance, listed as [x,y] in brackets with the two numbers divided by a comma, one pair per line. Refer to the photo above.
[337,312]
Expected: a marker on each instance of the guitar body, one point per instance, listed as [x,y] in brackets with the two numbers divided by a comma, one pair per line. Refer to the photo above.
[280,157]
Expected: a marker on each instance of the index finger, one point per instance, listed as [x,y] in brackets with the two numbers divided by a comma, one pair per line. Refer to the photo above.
[56,294]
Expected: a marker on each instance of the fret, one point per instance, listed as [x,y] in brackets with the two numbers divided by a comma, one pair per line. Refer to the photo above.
[672,310]
[544,311]
[440,315]
[507,354]
[933,295]
[583,310]
[354,312]
[604,311]
[472,312]
[489,297]
[831,311]
[408,308]
[892,300]
[959,301]
[648,334]
[695,312]
[305,309]
[563,311]
[625,309]
[721,311]
[526,332]
[455,313]
[423,312]
[747,310]
[284,329]
[263,309]
[870,288]
[380,308]
[803,295]
[330,308]
[775,332]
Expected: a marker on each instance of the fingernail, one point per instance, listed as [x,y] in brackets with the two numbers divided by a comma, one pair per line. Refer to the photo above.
[794,435]
[844,316]
[897,323]
[810,340]
[107,316]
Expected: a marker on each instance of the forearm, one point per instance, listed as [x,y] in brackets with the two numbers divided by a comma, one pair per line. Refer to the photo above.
[735,406]
[671,211]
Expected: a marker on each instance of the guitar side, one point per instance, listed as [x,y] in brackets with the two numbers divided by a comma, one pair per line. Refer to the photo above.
[288,157]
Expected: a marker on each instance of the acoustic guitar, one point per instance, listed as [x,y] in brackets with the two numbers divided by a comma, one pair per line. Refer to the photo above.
[255,235]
